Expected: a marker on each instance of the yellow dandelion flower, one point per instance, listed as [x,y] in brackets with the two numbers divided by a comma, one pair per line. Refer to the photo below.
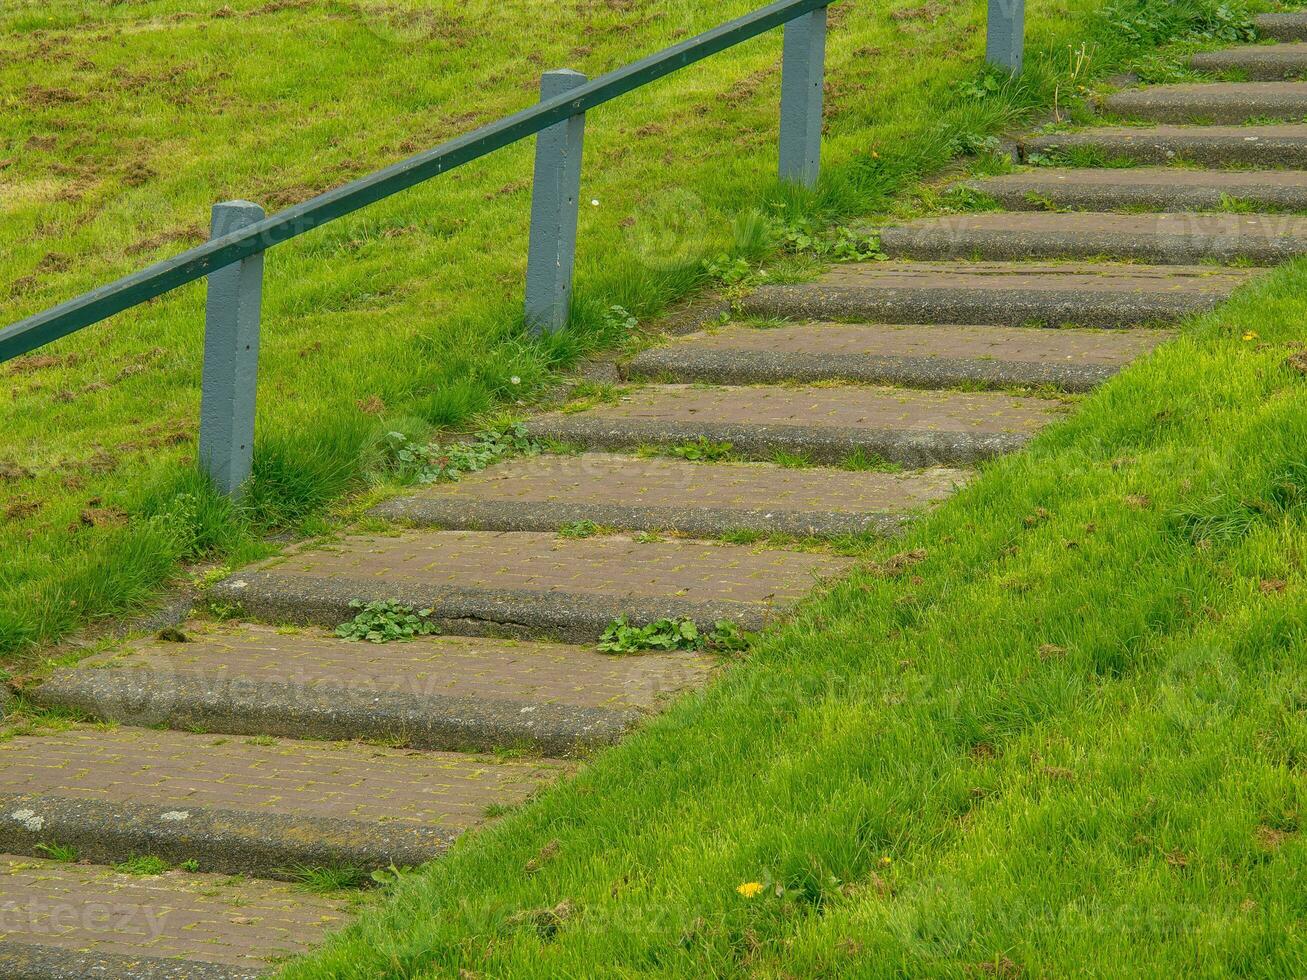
[1250,335]
[750,889]
[886,861]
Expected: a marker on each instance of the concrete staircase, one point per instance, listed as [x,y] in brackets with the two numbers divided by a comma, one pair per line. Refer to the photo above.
[243,752]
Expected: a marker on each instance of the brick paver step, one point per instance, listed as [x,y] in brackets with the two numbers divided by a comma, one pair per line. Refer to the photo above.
[1175,239]
[1211,102]
[454,693]
[1159,188]
[825,424]
[530,584]
[1283,145]
[1282,27]
[546,492]
[1086,294]
[902,354]
[1256,62]
[241,805]
[62,921]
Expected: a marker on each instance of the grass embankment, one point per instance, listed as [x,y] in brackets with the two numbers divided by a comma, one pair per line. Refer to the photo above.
[123,123]
[1062,732]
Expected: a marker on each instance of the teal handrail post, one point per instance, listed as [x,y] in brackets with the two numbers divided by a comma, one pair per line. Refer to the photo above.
[231,357]
[555,204]
[1006,39]
[803,80]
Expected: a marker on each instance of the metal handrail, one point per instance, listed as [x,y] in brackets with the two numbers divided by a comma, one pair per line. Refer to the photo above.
[195,263]
[240,233]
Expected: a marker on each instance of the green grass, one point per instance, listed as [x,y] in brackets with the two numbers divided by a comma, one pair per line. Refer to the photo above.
[127,121]
[1059,729]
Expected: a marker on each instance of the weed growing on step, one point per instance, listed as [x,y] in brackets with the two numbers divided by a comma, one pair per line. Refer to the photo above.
[579,529]
[671,634]
[386,621]
[861,461]
[144,865]
[62,853]
[702,450]
[436,463]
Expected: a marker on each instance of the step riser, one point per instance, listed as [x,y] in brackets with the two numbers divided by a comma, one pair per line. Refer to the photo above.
[190,702]
[25,961]
[826,445]
[1100,199]
[559,616]
[1015,309]
[1282,27]
[907,243]
[1264,153]
[231,842]
[702,522]
[1144,109]
[754,367]
[1268,70]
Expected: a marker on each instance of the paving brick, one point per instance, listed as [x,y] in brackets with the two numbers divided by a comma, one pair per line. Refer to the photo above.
[1160,188]
[1265,239]
[1087,294]
[106,922]
[434,692]
[530,584]
[627,492]
[924,356]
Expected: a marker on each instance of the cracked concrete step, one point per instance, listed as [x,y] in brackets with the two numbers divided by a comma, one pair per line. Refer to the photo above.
[825,424]
[1282,27]
[235,805]
[543,493]
[1173,239]
[1212,146]
[1211,102]
[1160,188]
[1255,62]
[528,584]
[904,354]
[62,921]
[452,693]
[1085,294]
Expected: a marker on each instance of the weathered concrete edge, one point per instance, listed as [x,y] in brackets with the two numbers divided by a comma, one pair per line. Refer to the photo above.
[1282,26]
[536,515]
[564,616]
[820,444]
[240,706]
[687,363]
[1163,249]
[1254,62]
[227,841]
[1009,308]
[1275,153]
[1031,196]
[1152,105]
[21,960]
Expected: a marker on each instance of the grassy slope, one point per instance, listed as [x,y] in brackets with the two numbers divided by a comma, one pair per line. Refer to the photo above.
[1071,740]
[406,315]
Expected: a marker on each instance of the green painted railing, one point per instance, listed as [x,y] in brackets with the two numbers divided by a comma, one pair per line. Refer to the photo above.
[240,233]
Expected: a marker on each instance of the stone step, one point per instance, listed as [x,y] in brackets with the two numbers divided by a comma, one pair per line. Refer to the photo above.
[452,693]
[1256,62]
[1282,27]
[544,493]
[903,354]
[529,584]
[1097,294]
[1173,239]
[1160,188]
[826,424]
[1212,146]
[254,806]
[61,921]
[1211,102]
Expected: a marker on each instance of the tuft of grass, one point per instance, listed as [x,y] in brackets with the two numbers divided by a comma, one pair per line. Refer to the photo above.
[579,529]
[62,853]
[326,880]
[144,865]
